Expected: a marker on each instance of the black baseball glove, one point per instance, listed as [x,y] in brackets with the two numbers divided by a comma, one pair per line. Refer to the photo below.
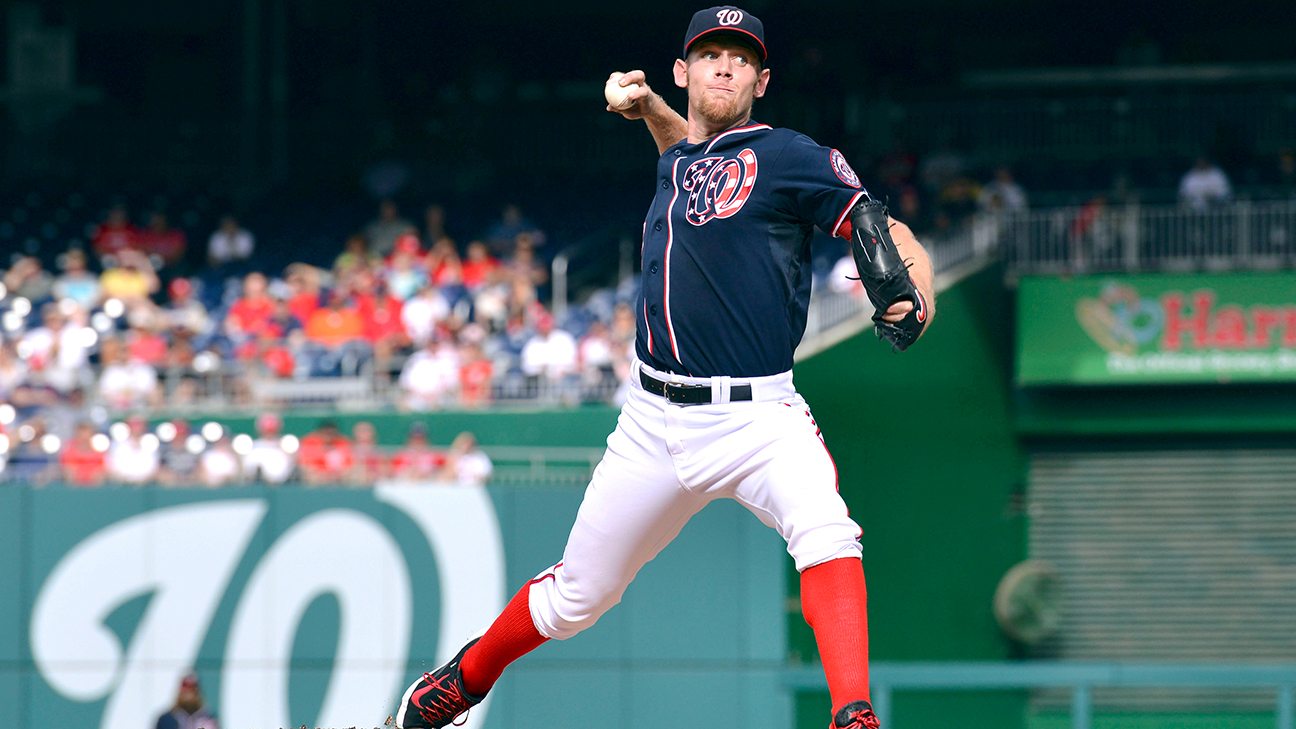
[884,274]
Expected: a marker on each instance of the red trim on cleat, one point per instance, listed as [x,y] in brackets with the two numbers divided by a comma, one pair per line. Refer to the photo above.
[438,698]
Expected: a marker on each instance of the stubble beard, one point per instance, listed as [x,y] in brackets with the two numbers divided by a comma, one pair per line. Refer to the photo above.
[720,113]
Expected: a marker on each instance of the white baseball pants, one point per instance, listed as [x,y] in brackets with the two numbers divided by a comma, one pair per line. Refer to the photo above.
[664,462]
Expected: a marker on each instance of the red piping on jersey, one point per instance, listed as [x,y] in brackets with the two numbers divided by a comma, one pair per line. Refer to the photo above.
[751,128]
[670,238]
[552,571]
[859,530]
[647,326]
[843,227]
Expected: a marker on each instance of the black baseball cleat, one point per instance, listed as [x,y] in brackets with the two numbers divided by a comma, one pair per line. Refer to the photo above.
[856,715]
[438,698]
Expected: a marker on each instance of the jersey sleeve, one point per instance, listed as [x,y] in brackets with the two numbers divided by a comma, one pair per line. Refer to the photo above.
[820,185]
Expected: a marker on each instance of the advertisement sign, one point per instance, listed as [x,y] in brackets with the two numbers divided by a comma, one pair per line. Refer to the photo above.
[282,604]
[318,606]
[1157,329]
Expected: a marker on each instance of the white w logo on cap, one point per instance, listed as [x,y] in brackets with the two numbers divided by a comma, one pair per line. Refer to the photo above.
[729,16]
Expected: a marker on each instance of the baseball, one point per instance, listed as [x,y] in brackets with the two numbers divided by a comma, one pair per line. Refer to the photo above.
[618,96]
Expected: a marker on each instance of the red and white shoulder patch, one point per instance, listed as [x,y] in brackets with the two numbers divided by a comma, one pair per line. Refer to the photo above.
[843,170]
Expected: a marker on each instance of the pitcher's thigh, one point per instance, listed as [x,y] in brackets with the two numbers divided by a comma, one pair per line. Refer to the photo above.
[793,488]
[634,507]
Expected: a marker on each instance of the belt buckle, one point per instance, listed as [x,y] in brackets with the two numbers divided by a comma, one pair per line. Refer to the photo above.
[682,388]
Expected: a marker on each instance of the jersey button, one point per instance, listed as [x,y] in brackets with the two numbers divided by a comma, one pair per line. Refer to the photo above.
[653,267]
[665,184]
[678,153]
[656,226]
[653,310]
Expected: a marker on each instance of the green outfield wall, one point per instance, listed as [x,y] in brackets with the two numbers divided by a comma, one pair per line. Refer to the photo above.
[930,466]
[584,427]
[317,606]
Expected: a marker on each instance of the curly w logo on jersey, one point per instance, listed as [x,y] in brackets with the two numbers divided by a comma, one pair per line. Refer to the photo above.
[718,187]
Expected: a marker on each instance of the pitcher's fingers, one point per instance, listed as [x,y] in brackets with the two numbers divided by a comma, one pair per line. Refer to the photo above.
[898,311]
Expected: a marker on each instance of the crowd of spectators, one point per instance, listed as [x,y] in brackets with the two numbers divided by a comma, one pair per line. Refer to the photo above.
[173,454]
[433,323]
[945,187]
[117,328]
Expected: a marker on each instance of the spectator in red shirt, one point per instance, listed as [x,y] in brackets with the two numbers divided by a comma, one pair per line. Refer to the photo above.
[480,269]
[145,345]
[326,456]
[81,462]
[370,461]
[444,264]
[382,319]
[115,234]
[409,244]
[475,374]
[250,315]
[417,460]
[162,240]
[273,356]
[304,282]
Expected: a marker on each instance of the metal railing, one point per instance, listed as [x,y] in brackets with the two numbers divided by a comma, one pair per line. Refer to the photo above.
[1102,238]
[1246,235]
[949,253]
[1080,678]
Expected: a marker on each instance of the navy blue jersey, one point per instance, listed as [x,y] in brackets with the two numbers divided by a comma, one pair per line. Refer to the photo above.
[726,251]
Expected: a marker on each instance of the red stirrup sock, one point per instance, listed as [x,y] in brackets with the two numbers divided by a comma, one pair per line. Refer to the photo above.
[835,604]
[511,636]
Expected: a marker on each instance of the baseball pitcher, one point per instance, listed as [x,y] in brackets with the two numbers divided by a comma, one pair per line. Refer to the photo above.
[713,413]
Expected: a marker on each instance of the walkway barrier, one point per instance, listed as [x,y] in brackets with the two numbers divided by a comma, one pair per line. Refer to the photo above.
[1080,678]
[1110,238]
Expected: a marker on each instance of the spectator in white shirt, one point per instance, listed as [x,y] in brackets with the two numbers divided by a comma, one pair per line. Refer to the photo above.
[422,312]
[431,375]
[597,356]
[268,462]
[219,465]
[230,243]
[550,352]
[124,384]
[1204,185]
[466,463]
[135,459]
[1002,194]
[58,351]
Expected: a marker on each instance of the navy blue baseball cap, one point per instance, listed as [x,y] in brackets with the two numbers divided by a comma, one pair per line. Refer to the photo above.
[726,20]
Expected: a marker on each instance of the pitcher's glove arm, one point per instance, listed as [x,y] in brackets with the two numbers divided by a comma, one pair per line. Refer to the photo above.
[884,274]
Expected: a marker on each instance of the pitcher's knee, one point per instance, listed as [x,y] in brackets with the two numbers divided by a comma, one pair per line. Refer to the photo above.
[824,542]
[561,608]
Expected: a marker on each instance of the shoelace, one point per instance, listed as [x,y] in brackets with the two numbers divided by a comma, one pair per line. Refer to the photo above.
[863,719]
[867,720]
[444,703]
